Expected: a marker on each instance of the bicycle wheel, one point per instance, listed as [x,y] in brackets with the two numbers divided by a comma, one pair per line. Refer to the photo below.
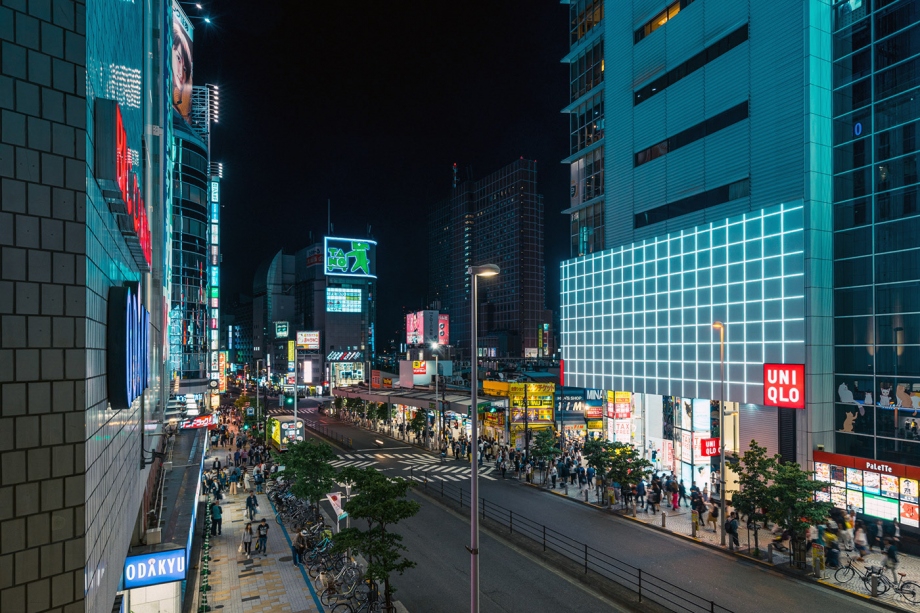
[342,607]
[910,591]
[844,575]
[882,586]
[330,596]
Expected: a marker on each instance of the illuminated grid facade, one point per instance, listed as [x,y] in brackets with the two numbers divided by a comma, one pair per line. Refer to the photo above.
[639,317]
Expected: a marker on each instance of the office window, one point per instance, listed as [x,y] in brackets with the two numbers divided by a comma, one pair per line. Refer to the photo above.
[692,204]
[710,126]
[585,16]
[660,19]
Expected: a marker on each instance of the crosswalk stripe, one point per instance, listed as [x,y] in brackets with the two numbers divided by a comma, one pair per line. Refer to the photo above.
[349,456]
[386,455]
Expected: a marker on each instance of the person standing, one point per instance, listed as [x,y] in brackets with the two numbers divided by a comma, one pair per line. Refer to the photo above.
[252,506]
[234,479]
[300,546]
[217,518]
[262,531]
[553,474]
[247,539]
[731,526]
[682,494]
[640,495]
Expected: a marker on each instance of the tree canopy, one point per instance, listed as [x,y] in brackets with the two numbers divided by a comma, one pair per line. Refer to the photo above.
[307,467]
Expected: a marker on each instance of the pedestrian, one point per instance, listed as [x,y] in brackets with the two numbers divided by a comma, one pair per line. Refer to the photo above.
[246,542]
[591,474]
[675,492]
[553,473]
[259,479]
[236,458]
[504,468]
[300,547]
[247,481]
[861,541]
[713,517]
[252,506]
[682,492]
[262,531]
[217,519]
[640,495]
[234,479]
[705,492]
[891,558]
[874,533]
[731,526]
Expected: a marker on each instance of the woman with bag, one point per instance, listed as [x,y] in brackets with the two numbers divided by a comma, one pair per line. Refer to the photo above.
[246,543]
[861,541]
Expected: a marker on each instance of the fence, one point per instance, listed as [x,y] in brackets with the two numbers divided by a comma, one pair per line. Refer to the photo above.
[646,585]
[345,441]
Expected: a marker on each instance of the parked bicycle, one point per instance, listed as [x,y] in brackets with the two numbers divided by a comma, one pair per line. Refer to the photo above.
[849,571]
[908,590]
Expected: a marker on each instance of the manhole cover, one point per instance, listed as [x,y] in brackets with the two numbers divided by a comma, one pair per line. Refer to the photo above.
[286,559]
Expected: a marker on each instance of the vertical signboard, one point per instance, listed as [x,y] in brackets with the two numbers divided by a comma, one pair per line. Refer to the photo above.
[181,63]
[222,370]
[443,329]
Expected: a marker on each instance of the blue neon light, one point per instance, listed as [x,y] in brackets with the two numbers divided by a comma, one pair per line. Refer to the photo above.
[155,568]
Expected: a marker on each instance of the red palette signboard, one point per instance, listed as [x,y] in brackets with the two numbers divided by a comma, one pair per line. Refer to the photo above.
[784,385]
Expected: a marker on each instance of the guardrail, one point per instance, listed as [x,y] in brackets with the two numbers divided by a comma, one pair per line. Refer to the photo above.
[345,441]
[645,584]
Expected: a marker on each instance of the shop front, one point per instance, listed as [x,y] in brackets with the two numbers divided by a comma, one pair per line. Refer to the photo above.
[531,410]
[878,490]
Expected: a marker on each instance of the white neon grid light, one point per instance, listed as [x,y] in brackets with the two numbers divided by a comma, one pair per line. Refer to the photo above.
[639,317]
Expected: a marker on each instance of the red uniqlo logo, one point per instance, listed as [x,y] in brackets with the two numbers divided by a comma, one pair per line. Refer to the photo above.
[709,447]
[784,385]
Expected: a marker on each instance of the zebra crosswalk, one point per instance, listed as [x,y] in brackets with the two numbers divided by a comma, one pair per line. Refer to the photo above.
[355,463]
[380,456]
[454,473]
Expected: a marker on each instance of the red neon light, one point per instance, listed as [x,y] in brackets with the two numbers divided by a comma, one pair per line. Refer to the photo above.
[784,385]
[130,192]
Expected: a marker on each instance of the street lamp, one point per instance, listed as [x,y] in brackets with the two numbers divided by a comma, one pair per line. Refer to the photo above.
[437,375]
[718,325]
[486,270]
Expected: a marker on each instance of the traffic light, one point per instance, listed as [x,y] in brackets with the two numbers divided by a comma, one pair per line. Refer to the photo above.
[288,400]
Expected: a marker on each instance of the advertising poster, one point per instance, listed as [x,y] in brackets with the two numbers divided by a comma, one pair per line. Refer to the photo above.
[871,483]
[855,500]
[890,486]
[222,371]
[838,476]
[621,430]
[443,329]
[181,68]
[910,514]
[350,257]
[414,331]
[909,490]
[308,340]
[854,479]
[343,300]
[594,403]
[375,379]
[839,497]
[822,471]
[622,405]
[610,405]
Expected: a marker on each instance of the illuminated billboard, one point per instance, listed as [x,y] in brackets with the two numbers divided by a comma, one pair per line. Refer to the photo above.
[181,67]
[350,257]
[414,331]
[222,371]
[426,327]
[444,329]
[343,300]
[308,340]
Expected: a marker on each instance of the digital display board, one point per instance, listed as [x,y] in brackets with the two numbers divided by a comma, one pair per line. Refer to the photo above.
[308,340]
[876,506]
[181,66]
[343,300]
[350,257]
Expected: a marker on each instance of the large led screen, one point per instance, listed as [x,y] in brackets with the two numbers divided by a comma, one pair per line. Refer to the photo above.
[343,300]
[639,317]
[350,257]
[181,68]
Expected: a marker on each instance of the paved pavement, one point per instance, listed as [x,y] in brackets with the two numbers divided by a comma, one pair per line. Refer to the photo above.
[264,583]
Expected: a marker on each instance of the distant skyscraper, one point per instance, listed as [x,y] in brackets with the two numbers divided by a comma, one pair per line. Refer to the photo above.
[495,220]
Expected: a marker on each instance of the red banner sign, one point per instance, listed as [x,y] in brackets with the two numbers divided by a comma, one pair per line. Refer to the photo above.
[784,385]
[709,447]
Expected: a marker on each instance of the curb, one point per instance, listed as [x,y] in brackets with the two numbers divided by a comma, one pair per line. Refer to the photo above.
[303,572]
[773,567]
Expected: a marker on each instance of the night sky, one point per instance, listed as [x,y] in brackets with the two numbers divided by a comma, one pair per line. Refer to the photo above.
[369,104]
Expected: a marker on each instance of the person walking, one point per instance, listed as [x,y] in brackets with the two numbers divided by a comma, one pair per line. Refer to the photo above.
[731,527]
[217,519]
[891,558]
[252,506]
[262,532]
[504,468]
[300,546]
[640,495]
[713,516]
[553,473]
[259,479]
[246,541]
[247,481]
[682,494]
[861,541]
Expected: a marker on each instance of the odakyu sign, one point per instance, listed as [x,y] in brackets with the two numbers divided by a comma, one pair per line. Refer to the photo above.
[127,347]
[155,568]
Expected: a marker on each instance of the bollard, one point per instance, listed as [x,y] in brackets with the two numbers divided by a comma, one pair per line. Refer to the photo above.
[566,489]
[634,508]
[664,519]
[694,522]
[873,581]
[770,553]
[586,495]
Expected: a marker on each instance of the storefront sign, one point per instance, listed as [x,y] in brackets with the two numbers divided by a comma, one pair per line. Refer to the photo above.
[127,347]
[419,367]
[155,568]
[375,379]
[281,329]
[621,430]
[350,257]
[112,171]
[784,385]
[622,405]
[387,382]
[709,447]
[308,340]
[495,388]
[222,371]
[594,403]
[595,424]
[291,352]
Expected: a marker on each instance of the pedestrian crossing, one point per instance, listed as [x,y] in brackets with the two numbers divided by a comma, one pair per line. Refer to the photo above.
[355,463]
[380,456]
[453,473]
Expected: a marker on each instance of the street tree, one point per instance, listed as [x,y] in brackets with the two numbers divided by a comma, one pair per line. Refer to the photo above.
[307,468]
[756,472]
[381,503]
[338,402]
[544,449]
[792,505]
[418,422]
[615,462]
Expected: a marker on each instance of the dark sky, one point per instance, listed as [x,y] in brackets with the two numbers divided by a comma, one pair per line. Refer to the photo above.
[369,104]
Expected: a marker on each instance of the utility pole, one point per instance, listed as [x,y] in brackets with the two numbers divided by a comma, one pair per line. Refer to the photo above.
[526,426]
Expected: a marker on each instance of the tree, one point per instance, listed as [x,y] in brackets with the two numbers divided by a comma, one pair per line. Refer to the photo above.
[755,473]
[338,402]
[616,462]
[791,502]
[418,422]
[306,466]
[382,411]
[544,448]
[355,405]
[381,502]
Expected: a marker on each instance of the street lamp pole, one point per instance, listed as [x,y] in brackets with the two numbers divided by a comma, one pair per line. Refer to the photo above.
[486,270]
[718,325]
[437,402]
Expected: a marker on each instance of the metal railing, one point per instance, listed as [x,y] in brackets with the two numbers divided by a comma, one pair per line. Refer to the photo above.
[345,441]
[645,584]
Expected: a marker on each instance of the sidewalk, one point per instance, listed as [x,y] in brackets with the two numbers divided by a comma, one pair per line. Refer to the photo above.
[262,584]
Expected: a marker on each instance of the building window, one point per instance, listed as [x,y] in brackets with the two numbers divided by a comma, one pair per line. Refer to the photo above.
[710,53]
[692,204]
[710,126]
[587,72]
[587,123]
[660,19]
[587,177]
[585,16]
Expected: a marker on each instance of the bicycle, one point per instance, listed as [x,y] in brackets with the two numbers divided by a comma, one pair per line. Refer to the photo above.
[849,572]
[908,590]
[349,583]
[371,605]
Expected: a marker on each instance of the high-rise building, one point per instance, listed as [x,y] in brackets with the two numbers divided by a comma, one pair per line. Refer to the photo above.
[84,245]
[494,220]
[752,201]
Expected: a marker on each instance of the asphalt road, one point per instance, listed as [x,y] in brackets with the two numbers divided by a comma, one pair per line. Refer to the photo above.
[735,584]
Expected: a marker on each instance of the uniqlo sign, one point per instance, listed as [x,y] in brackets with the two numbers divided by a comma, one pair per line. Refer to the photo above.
[784,385]
[709,447]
